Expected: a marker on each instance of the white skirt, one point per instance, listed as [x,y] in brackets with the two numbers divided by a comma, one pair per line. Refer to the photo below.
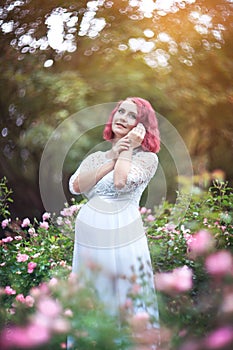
[109,234]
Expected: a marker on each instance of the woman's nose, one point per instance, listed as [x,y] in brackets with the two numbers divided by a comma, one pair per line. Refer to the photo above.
[123,116]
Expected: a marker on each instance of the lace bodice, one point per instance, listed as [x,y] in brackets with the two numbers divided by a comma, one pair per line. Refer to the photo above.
[143,167]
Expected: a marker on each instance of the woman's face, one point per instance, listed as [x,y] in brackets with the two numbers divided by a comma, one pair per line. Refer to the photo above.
[125,119]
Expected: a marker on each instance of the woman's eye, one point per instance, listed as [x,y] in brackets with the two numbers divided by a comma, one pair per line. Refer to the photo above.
[133,116]
[121,111]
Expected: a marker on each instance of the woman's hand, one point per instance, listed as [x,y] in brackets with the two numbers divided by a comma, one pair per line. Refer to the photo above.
[136,135]
[122,144]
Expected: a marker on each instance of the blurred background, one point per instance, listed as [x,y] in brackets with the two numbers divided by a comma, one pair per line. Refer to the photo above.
[60,57]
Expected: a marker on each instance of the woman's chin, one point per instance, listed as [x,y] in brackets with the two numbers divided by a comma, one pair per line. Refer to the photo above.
[118,134]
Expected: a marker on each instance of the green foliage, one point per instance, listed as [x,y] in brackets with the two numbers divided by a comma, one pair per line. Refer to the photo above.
[5,198]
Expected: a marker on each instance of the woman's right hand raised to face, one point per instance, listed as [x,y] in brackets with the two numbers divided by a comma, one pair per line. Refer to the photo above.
[133,139]
[136,135]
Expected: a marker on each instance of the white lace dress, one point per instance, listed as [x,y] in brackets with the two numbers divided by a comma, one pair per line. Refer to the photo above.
[109,232]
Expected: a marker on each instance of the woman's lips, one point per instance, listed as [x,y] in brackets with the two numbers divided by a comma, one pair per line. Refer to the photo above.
[121,125]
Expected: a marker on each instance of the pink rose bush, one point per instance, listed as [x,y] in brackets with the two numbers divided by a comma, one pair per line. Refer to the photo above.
[191,254]
[57,313]
[36,249]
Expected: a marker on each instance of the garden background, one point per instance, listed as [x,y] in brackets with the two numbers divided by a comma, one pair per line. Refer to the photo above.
[61,57]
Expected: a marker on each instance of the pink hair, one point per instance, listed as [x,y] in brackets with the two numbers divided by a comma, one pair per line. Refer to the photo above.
[146,116]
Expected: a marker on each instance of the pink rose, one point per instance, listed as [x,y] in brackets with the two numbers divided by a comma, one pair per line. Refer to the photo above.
[29,300]
[22,257]
[31,266]
[150,218]
[5,223]
[49,307]
[143,210]
[74,208]
[20,298]
[25,223]
[31,231]
[44,224]
[24,337]
[178,280]
[67,212]
[219,338]
[200,243]
[71,210]
[7,239]
[9,291]
[18,238]
[46,216]
[220,263]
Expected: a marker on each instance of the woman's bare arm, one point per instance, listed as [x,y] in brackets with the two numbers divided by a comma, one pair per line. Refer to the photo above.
[123,163]
[122,168]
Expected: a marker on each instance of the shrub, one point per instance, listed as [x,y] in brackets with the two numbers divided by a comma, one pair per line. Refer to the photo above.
[191,250]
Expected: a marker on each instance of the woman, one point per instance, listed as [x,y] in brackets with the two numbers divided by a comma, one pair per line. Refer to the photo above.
[109,230]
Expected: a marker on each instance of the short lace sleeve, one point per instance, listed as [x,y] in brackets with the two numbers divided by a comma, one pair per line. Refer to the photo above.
[93,161]
[143,168]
